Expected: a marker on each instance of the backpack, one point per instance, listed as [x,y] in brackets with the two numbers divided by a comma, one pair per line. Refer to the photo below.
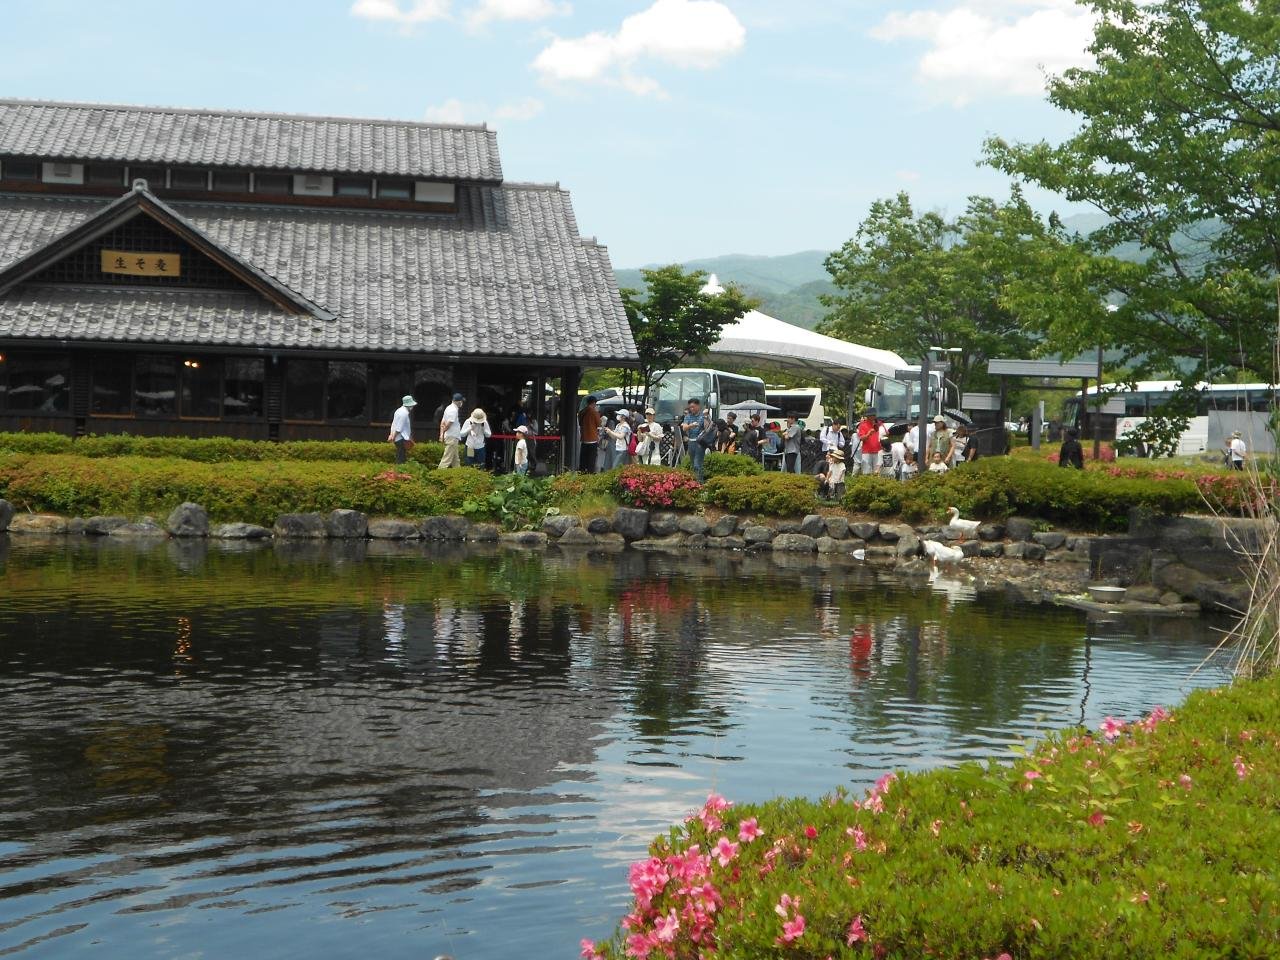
[708,437]
[633,443]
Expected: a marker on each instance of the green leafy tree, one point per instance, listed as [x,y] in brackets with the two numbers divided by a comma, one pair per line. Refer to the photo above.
[673,319]
[1179,145]
[908,281]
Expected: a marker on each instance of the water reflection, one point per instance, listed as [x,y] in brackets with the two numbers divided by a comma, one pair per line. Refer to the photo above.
[279,749]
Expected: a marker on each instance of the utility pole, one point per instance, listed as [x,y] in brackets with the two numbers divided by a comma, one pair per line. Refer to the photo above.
[922,448]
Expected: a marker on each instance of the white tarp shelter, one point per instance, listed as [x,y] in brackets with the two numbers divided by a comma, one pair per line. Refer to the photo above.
[757,339]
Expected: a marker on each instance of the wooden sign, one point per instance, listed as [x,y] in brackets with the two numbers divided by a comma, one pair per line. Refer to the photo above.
[142,264]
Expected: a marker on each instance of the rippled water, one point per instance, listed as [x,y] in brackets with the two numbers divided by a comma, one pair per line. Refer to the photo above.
[398,752]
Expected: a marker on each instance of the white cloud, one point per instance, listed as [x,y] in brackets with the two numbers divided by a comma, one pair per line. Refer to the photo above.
[994,47]
[693,34]
[487,10]
[459,111]
[392,11]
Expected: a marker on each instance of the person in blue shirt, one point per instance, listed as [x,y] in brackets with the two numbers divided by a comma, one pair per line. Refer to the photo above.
[693,424]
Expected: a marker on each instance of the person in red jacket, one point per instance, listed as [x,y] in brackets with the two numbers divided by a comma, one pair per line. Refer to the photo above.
[872,435]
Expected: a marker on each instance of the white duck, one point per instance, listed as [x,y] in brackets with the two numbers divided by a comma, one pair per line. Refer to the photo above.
[965,527]
[941,553]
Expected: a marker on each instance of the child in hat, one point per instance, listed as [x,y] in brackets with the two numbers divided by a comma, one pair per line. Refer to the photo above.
[522,450]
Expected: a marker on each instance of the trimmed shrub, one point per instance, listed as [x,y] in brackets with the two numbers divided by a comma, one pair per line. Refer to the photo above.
[775,494]
[216,449]
[651,488]
[730,465]
[1152,839]
[252,492]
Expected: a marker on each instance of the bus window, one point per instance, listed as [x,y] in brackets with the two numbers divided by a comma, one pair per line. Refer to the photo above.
[677,389]
[891,400]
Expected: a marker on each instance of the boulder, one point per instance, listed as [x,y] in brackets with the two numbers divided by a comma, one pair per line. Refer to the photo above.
[918,567]
[726,526]
[832,545]
[694,525]
[1143,594]
[971,548]
[76,525]
[444,528]
[907,545]
[239,531]
[1018,528]
[668,544]
[756,548]
[991,532]
[300,526]
[347,525]
[143,529]
[890,532]
[1181,579]
[39,524]
[1228,597]
[527,539]
[991,550]
[576,537]
[726,543]
[789,526]
[558,525]
[1052,540]
[484,533]
[388,529]
[794,543]
[696,541]
[1170,599]
[813,526]
[610,542]
[101,526]
[188,520]
[865,531]
[758,533]
[663,524]
[837,527]
[1079,545]
[6,514]
[632,524]
[599,525]
[1025,550]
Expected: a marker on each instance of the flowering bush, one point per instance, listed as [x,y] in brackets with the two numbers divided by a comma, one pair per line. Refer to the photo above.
[653,488]
[1148,839]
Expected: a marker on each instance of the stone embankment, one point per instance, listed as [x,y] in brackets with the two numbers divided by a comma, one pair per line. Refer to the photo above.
[1165,565]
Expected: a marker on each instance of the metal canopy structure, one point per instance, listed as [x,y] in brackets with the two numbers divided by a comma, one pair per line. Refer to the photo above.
[1049,369]
[757,339]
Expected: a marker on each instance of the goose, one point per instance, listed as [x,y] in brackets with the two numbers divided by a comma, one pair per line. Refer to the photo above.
[941,553]
[965,527]
[860,554]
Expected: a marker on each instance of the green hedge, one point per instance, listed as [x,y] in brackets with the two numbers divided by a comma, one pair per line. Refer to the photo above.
[998,487]
[215,449]
[776,494]
[730,465]
[254,492]
[1150,840]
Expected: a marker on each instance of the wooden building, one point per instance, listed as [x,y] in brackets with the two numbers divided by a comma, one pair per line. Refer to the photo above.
[282,277]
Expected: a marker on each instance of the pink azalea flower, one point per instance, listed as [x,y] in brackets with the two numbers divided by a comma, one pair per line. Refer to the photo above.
[748,830]
[640,945]
[1184,781]
[1111,727]
[1142,897]
[936,827]
[717,803]
[1242,770]
[725,851]
[859,837]
[792,930]
[665,928]
[857,932]
[589,951]
[811,833]
[785,905]
[1096,819]
[1032,774]
[882,785]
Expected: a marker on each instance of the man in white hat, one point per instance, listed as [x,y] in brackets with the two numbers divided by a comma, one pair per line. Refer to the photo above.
[1237,451]
[451,432]
[402,428]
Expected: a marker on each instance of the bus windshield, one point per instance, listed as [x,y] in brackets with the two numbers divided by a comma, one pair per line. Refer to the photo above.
[677,389]
[893,399]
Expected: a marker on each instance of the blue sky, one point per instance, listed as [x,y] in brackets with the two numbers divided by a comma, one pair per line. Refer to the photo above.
[684,128]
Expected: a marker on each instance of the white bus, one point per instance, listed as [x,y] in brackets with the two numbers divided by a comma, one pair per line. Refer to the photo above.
[804,402]
[1125,408]
[714,388]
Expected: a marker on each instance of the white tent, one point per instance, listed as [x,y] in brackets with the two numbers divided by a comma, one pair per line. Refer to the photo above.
[757,339]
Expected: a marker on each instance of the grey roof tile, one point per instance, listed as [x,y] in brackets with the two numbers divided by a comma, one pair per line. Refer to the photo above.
[126,134]
[507,277]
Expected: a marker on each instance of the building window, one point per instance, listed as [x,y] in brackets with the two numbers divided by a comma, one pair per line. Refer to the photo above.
[351,187]
[201,387]
[20,169]
[155,387]
[104,175]
[275,183]
[304,382]
[111,393]
[242,387]
[395,189]
[182,178]
[430,386]
[230,181]
[348,390]
[37,383]
[153,175]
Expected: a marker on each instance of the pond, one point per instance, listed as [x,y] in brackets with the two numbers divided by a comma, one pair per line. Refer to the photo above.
[401,751]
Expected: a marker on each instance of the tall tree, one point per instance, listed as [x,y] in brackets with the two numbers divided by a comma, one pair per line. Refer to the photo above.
[1179,145]
[909,281]
[672,319]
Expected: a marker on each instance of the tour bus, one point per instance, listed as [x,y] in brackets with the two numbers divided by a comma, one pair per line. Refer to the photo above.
[805,403]
[715,388]
[1126,407]
[896,401]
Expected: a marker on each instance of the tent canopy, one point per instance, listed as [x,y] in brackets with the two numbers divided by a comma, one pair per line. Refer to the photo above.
[757,339]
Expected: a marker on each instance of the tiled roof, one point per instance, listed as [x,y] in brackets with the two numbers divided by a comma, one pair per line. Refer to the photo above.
[507,277]
[264,141]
